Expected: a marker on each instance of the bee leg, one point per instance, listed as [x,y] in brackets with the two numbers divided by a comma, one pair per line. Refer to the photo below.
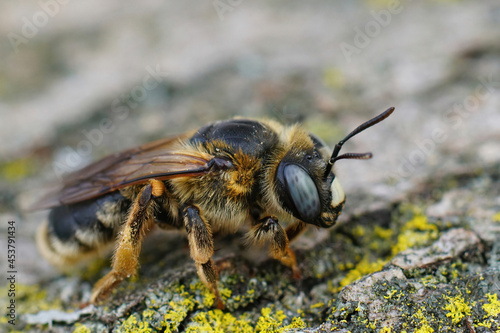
[126,257]
[201,247]
[292,231]
[270,230]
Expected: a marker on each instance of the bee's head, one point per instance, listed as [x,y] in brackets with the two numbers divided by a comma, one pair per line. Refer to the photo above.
[305,194]
[307,187]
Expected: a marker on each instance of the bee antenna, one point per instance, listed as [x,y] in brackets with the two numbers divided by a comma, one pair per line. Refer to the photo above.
[335,155]
[353,156]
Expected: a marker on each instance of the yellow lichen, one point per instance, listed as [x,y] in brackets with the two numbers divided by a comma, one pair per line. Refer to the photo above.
[133,325]
[268,321]
[415,232]
[225,293]
[346,266]
[385,330]
[148,314]
[179,309]
[317,305]
[208,297]
[297,322]
[382,232]
[428,280]
[364,267]
[216,321]
[32,299]
[457,308]
[17,169]
[486,324]
[496,217]
[493,307]
[358,231]
[80,328]
[423,326]
[177,313]
[419,222]
[390,294]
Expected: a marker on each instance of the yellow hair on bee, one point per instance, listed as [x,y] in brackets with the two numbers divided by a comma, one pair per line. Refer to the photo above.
[242,178]
[293,139]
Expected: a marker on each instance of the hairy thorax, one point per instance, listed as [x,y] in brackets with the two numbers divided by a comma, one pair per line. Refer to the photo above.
[224,196]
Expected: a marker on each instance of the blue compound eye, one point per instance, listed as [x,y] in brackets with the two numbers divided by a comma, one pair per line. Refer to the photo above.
[303,192]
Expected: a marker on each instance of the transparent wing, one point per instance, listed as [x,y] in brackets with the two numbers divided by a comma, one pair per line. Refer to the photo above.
[163,159]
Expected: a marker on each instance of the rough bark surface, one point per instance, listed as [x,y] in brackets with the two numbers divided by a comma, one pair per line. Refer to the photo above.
[417,248]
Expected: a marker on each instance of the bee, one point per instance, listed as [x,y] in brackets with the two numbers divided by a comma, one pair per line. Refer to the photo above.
[218,178]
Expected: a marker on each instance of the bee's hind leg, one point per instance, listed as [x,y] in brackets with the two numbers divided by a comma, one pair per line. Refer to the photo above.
[126,257]
[269,230]
[201,247]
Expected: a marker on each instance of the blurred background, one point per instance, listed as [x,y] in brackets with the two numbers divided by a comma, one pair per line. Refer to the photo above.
[80,80]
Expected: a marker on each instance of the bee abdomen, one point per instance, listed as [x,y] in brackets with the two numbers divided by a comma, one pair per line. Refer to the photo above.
[76,231]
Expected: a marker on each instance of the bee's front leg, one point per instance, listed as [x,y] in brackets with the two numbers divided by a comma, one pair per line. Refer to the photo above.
[269,230]
[201,246]
[294,230]
[126,257]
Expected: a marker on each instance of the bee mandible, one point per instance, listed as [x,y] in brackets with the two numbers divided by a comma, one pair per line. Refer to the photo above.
[215,179]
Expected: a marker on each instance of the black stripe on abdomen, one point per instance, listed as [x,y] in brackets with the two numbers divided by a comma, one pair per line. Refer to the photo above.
[88,224]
